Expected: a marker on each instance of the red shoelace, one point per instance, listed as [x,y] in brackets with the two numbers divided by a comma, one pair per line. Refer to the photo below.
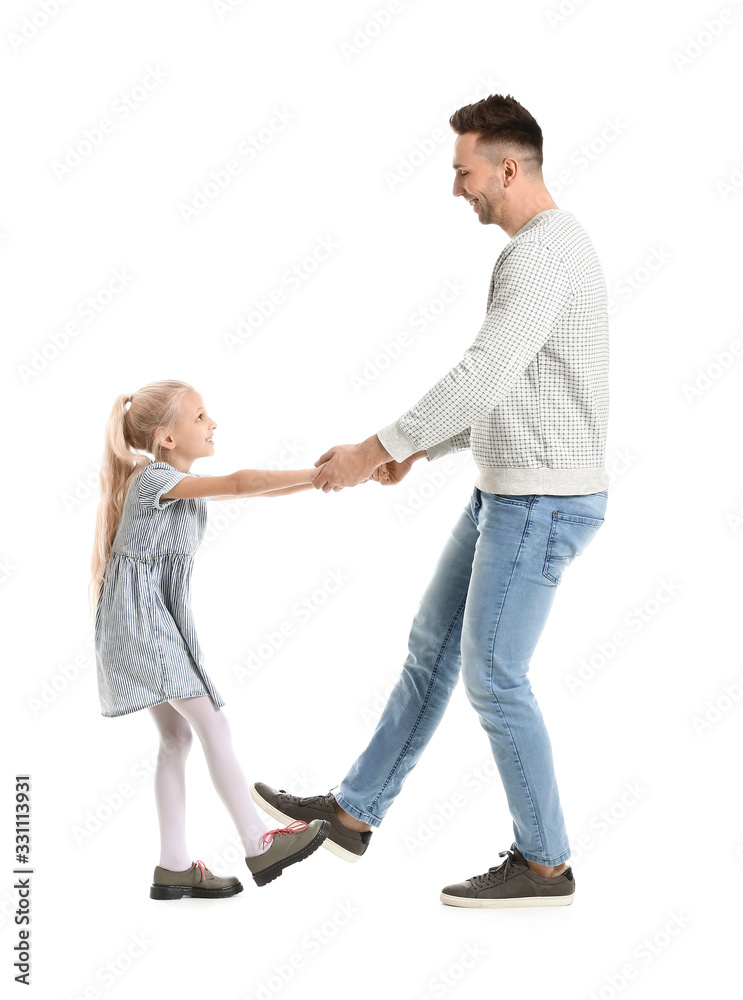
[201,866]
[296,827]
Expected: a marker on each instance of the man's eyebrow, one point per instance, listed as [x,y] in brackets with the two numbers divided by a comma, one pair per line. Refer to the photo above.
[456,165]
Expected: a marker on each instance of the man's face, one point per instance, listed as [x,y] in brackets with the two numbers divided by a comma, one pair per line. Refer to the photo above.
[478,179]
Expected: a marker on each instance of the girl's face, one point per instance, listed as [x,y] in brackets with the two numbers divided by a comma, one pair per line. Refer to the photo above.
[192,436]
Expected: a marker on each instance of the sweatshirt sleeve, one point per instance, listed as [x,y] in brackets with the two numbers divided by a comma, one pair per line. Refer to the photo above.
[532,292]
[458,442]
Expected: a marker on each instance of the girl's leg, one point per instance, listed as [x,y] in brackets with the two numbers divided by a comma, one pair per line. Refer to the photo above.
[170,786]
[213,730]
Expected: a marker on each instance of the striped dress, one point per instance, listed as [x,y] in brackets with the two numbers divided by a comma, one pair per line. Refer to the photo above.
[146,647]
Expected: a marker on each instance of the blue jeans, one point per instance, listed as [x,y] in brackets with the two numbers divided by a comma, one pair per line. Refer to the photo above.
[484,611]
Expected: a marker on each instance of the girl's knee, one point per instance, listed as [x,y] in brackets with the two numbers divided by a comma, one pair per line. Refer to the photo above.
[213,729]
[221,727]
[176,741]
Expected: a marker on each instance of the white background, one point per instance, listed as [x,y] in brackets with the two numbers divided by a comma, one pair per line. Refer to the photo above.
[639,143]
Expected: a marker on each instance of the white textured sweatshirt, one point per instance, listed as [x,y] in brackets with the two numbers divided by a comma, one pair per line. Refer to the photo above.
[530,397]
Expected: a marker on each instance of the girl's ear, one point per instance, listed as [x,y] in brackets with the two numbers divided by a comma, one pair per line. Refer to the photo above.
[165,442]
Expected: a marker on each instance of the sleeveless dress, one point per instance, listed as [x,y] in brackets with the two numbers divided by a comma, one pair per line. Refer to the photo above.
[146,647]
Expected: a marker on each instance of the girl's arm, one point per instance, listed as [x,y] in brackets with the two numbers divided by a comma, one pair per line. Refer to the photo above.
[243,483]
[274,493]
[284,492]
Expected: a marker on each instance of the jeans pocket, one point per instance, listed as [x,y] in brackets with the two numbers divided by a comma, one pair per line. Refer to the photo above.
[569,536]
[514,499]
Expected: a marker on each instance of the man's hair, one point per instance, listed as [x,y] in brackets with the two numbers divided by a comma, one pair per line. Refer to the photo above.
[502,126]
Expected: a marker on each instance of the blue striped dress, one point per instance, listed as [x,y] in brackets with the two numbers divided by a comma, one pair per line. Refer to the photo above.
[146,647]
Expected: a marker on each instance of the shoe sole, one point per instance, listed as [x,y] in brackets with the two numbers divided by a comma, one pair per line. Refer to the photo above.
[179,891]
[494,904]
[269,874]
[328,844]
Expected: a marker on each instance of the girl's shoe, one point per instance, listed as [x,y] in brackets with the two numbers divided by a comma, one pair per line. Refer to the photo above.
[196,881]
[344,843]
[289,844]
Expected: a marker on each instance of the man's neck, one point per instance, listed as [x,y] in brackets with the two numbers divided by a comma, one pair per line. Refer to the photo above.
[527,211]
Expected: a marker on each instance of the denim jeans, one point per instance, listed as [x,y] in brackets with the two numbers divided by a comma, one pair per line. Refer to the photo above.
[483,612]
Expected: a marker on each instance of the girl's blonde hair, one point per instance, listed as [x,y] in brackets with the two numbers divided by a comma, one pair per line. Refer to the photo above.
[132,435]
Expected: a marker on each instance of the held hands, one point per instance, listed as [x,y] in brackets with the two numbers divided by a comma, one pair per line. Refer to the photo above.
[343,465]
[349,465]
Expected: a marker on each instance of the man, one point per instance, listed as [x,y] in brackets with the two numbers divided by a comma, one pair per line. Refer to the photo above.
[530,398]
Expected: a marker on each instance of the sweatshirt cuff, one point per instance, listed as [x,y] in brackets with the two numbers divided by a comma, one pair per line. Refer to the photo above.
[397,442]
[439,450]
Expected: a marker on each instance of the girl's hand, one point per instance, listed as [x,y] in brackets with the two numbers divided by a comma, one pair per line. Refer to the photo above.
[380,474]
[391,473]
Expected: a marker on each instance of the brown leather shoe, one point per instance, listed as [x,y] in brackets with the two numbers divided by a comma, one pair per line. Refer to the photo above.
[196,881]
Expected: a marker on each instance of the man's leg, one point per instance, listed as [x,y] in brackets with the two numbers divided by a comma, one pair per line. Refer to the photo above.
[420,697]
[525,544]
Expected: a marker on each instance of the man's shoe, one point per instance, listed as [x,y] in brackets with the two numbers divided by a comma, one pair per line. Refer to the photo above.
[196,881]
[289,844]
[342,842]
[512,883]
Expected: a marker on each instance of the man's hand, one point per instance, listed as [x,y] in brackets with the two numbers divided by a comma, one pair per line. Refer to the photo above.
[349,464]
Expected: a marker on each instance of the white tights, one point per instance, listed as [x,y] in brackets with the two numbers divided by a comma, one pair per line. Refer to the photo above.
[174,720]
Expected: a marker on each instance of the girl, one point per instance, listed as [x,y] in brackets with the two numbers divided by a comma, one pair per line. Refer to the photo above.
[151,519]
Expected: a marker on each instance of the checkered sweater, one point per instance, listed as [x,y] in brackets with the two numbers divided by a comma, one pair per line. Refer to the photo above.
[530,396]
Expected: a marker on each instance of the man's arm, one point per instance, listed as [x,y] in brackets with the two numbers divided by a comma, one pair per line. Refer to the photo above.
[532,291]
[458,442]
[531,294]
